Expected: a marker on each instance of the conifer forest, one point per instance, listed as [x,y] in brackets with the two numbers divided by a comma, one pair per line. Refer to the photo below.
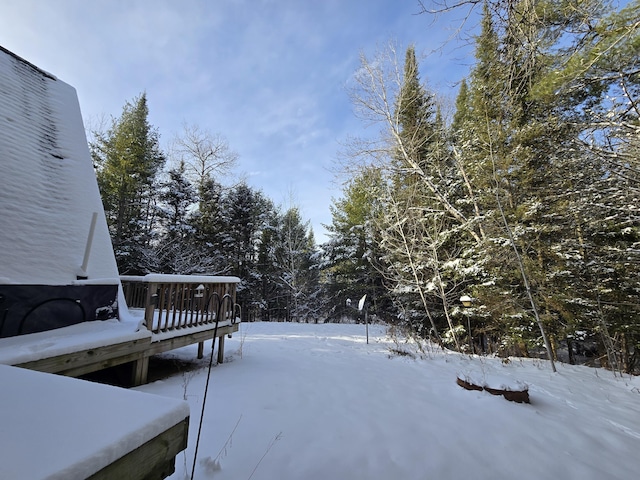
[505,221]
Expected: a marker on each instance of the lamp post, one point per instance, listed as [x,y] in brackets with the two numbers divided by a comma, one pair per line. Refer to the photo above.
[467,301]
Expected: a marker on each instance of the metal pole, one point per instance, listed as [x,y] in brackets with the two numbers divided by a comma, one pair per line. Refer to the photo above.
[206,387]
[366,321]
[469,328]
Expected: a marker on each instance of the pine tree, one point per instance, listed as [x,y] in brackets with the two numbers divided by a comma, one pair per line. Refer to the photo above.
[461,114]
[420,202]
[352,253]
[177,196]
[176,251]
[511,147]
[273,292]
[208,227]
[208,160]
[414,115]
[243,215]
[423,212]
[128,159]
[296,259]
[523,151]
[597,78]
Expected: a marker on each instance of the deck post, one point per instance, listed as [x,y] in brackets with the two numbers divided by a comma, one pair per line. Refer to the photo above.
[220,348]
[140,371]
[201,350]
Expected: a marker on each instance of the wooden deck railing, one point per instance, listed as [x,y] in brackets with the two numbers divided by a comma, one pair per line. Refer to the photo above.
[173,302]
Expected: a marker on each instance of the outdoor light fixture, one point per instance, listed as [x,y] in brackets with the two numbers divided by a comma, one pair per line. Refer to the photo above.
[199,291]
[466,301]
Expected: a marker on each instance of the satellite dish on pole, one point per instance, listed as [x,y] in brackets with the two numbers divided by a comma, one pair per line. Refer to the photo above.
[361,303]
[366,320]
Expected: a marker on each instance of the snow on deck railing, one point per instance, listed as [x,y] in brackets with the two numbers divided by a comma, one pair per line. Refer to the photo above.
[173,302]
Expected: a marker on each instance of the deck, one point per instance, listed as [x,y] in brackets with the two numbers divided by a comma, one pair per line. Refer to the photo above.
[165,312]
[108,432]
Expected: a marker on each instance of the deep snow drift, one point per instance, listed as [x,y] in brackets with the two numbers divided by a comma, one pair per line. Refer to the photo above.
[304,401]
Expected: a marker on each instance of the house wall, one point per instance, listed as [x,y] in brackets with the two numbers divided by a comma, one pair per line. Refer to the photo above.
[28,309]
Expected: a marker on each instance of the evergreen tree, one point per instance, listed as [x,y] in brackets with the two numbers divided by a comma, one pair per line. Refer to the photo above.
[176,251]
[352,252]
[177,196]
[273,292]
[128,159]
[296,259]
[420,199]
[243,214]
[461,114]
[414,115]
[207,160]
[512,147]
[528,203]
[596,75]
[422,214]
[208,227]
[523,151]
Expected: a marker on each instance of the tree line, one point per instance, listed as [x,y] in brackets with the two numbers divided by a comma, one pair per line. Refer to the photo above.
[180,213]
[524,199]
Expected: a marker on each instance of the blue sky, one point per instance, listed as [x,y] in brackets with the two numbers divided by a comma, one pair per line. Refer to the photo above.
[269,75]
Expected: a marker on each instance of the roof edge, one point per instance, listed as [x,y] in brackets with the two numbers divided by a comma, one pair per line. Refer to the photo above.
[28,63]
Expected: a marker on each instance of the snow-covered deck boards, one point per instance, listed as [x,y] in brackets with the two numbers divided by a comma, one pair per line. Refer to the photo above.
[91,346]
[168,312]
[139,434]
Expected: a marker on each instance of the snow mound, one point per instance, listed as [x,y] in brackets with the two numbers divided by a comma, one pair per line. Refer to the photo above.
[492,381]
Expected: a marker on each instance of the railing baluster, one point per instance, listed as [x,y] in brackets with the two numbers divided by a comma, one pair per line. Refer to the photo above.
[172,304]
[206,308]
[166,305]
[190,306]
[177,306]
[182,288]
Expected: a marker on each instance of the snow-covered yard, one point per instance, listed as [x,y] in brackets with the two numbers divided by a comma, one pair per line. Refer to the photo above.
[305,401]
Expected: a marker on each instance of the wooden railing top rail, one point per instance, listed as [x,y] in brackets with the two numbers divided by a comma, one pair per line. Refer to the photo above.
[170,278]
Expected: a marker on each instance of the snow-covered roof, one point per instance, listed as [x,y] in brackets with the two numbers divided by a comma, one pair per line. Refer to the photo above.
[48,188]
